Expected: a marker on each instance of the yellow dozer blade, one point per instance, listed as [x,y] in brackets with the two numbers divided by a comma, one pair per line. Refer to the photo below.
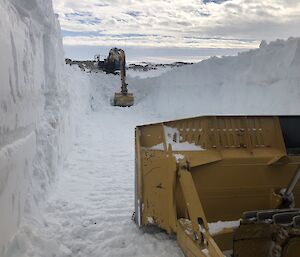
[219,183]
[123,100]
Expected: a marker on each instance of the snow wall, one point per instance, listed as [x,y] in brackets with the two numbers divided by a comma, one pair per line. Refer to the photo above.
[264,81]
[36,110]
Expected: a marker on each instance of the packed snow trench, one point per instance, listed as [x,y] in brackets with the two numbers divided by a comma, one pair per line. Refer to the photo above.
[89,211]
[67,155]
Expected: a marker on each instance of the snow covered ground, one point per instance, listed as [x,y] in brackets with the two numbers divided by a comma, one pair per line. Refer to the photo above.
[89,212]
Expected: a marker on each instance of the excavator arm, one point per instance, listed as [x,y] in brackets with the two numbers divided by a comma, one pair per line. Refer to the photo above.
[122,60]
[122,99]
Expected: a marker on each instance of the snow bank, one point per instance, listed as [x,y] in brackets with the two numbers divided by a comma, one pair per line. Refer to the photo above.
[149,73]
[261,81]
[35,108]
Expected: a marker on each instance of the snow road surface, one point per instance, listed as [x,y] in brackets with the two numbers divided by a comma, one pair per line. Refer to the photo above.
[89,212]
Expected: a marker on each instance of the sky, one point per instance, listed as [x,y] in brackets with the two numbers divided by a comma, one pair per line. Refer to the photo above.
[173,30]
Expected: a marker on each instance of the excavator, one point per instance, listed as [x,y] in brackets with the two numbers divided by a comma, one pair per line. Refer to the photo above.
[224,185]
[116,60]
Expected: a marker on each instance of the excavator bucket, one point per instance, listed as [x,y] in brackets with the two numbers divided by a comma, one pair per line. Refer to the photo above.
[221,184]
[123,100]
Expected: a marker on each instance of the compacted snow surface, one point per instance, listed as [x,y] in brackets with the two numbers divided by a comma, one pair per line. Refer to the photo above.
[89,212]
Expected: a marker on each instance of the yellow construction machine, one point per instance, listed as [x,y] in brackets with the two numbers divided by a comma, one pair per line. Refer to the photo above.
[117,60]
[226,186]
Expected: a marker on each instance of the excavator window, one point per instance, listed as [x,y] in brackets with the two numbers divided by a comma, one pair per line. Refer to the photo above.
[290,126]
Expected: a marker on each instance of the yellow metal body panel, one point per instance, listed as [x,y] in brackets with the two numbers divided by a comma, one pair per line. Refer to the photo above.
[235,164]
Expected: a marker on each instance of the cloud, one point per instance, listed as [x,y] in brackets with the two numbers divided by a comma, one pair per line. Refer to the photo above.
[177,23]
[214,1]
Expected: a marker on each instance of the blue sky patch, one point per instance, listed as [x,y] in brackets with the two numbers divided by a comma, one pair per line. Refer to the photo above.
[83,18]
[90,21]
[134,13]
[203,14]
[67,33]
[78,14]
